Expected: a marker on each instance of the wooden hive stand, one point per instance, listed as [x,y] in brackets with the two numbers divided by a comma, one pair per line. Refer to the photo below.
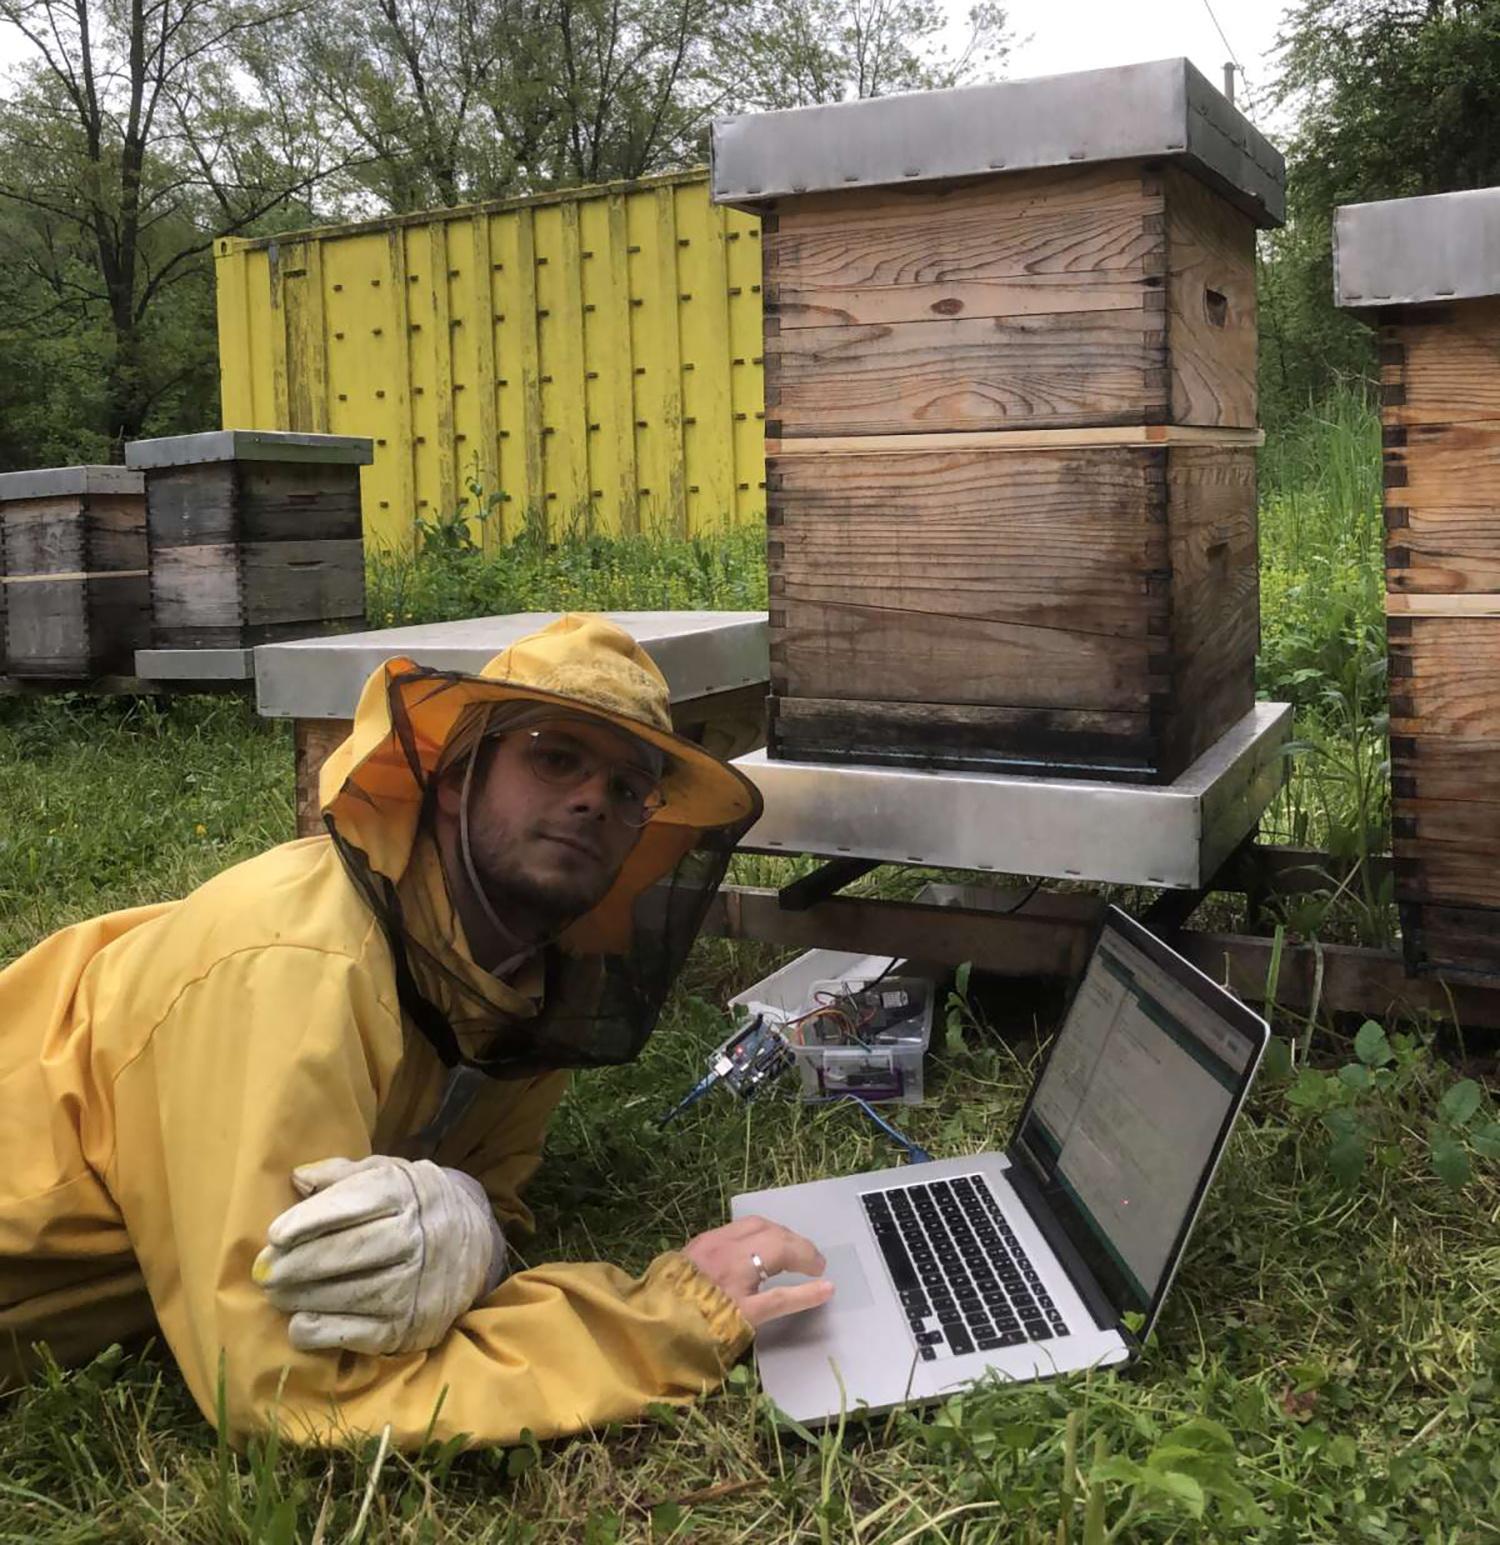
[254,536]
[1010,356]
[1426,273]
[74,596]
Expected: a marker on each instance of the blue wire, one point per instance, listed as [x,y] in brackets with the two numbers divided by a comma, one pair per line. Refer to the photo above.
[915,1153]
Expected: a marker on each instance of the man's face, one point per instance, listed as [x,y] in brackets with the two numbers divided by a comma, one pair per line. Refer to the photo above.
[544,851]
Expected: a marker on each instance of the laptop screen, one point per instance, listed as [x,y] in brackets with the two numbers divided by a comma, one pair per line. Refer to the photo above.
[1133,1106]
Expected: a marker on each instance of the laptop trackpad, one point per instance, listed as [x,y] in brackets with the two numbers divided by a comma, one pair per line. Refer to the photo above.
[850,1291]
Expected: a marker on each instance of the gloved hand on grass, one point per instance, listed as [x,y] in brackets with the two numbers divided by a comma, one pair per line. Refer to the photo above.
[382,1256]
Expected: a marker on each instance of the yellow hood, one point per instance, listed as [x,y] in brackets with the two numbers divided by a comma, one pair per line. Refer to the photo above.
[373,785]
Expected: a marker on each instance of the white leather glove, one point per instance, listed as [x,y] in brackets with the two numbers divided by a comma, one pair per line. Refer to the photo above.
[382,1256]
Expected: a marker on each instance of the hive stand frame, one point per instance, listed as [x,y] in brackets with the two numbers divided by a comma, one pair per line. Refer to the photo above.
[1051,935]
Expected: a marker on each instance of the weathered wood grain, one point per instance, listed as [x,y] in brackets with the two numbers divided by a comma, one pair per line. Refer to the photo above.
[289,581]
[47,629]
[314,741]
[1093,296]
[1009,599]
[44,536]
[1442,605]
[1445,783]
[249,552]
[1215,597]
[1441,364]
[1014,440]
[196,586]
[1441,551]
[952,735]
[1452,848]
[76,599]
[967,373]
[1444,467]
[1440,408]
[1069,242]
[1011,580]
[1445,767]
[297,501]
[1459,944]
[192,506]
[1444,675]
[1043,541]
[114,527]
[975,660]
[1029,194]
[1211,316]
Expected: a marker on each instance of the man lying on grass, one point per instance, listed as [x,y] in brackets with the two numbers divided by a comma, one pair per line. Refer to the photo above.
[378,1021]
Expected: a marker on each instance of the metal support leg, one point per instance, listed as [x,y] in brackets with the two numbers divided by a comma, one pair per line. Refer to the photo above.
[1170,912]
[825,881]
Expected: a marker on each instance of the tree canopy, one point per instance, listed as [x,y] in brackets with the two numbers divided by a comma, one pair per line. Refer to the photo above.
[1393,98]
[138,131]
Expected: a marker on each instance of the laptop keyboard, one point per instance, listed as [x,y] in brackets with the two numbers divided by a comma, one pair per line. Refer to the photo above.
[964,1280]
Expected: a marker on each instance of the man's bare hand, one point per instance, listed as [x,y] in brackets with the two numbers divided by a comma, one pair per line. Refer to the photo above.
[723,1255]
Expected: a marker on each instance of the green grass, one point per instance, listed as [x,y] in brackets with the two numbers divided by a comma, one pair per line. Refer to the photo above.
[454,576]
[1327,1367]
[117,802]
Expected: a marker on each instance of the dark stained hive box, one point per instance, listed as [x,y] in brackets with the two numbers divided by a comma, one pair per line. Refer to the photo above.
[75,599]
[255,536]
[1091,608]
[1010,420]
[1426,273]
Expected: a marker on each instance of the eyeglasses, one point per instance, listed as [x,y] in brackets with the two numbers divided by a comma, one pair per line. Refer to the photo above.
[558,760]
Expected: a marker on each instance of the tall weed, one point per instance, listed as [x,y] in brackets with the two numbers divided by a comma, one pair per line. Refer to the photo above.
[1323,649]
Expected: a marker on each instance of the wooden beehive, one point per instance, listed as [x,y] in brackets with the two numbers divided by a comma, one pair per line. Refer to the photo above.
[1426,272]
[254,536]
[1010,420]
[74,596]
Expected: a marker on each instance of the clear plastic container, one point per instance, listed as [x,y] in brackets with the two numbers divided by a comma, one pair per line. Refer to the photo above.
[861,1040]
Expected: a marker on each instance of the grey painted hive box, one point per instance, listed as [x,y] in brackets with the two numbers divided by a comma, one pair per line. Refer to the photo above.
[74,595]
[255,536]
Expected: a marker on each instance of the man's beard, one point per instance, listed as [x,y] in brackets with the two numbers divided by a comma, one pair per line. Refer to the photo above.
[541,908]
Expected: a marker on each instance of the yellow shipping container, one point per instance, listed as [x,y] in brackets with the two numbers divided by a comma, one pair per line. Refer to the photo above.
[593,356]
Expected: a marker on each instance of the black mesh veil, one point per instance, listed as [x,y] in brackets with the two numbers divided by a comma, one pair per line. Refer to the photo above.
[601,993]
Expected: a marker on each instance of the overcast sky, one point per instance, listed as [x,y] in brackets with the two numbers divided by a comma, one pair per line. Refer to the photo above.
[1065,35]
[1089,34]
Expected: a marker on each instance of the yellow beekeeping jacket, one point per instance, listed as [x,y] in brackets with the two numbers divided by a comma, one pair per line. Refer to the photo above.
[163,1070]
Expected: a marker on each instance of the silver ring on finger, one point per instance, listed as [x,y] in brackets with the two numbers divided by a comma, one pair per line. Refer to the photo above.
[760,1269]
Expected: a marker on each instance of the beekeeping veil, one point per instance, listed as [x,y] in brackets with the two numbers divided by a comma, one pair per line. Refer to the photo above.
[597,989]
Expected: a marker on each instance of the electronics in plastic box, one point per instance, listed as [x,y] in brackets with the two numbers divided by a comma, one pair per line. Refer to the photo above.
[882,1059]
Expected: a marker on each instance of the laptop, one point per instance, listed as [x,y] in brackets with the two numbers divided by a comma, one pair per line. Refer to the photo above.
[1053,1256]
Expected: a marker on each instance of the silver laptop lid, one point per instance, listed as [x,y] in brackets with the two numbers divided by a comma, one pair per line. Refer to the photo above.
[1129,1116]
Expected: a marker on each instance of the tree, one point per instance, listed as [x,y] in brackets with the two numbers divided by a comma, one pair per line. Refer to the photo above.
[447,101]
[125,151]
[395,83]
[794,53]
[1394,98]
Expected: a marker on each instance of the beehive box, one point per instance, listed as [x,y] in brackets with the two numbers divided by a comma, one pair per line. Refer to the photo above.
[254,536]
[74,596]
[1426,273]
[1010,348]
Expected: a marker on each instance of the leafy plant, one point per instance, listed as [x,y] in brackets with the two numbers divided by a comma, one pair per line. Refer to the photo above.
[1362,1109]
